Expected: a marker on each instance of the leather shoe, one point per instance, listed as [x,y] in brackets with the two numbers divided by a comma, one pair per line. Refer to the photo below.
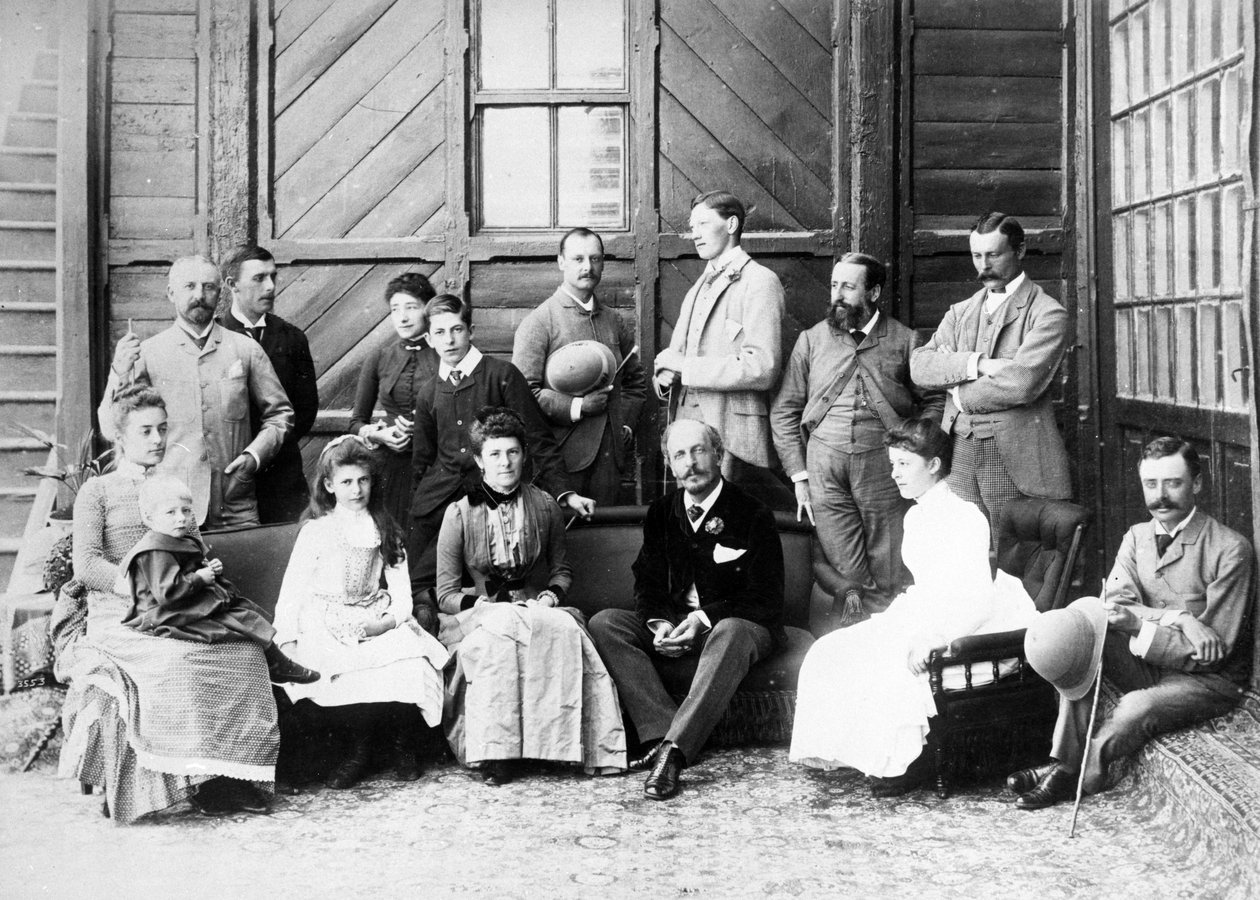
[248,798]
[1058,785]
[662,783]
[496,772]
[1025,780]
[647,755]
[283,670]
[214,798]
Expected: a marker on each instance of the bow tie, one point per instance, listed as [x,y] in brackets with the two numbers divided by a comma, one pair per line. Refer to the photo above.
[1001,293]
[414,347]
[695,511]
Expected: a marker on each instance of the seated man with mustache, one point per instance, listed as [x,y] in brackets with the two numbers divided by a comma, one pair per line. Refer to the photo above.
[1170,631]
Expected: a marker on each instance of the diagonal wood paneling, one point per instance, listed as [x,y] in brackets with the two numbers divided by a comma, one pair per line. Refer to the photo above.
[745,104]
[394,124]
[328,37]
[341,87]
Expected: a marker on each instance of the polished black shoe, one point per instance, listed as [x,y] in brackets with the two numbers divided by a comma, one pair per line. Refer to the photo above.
[248,798]
[215,798]
[1025,780]
[350,770]
[496,772]
[1057,785]
[406,765]
[646,755]
[662,783]
[283,670]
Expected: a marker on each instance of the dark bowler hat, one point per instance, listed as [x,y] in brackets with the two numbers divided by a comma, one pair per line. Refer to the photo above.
[1065,645]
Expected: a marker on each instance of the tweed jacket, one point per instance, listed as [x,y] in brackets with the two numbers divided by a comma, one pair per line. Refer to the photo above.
[735,367]
[1206,571]
[734,559]
[823,361]
[290,353]
[208,396]
[561,320]
[442,464]
[1033,336]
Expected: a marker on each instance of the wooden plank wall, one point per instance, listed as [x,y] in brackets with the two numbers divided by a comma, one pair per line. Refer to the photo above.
[152,144]
[985,132]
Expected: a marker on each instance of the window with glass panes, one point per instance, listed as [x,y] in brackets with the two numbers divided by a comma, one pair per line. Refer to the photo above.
[1177,201]
[551,102]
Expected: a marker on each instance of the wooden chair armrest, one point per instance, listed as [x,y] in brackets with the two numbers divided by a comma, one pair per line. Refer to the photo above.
[974,647]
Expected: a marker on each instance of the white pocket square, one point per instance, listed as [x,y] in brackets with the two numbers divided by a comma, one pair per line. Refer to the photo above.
[733,329]
[726,554]
[236,370]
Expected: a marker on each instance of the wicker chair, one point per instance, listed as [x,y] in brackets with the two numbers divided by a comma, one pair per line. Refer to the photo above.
[981,725]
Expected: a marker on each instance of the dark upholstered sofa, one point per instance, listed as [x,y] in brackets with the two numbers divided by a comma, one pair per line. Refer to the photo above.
[600,552]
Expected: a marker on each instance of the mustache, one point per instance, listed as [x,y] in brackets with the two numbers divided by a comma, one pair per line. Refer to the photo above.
[981,276]
[1163,503]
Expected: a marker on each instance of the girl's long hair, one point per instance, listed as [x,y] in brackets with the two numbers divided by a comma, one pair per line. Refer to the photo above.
[352,450]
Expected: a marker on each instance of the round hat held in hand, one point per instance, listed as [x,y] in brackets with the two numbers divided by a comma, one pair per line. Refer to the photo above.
[580,368]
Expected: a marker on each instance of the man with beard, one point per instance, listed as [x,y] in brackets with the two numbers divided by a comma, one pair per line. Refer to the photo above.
[595,431]
[249,273]
[708,596]
[1171,627]
[847,383]
[996,353]
[209,377]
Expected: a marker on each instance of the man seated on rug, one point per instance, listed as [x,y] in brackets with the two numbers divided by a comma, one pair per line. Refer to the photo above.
[1167,632]
[708,584]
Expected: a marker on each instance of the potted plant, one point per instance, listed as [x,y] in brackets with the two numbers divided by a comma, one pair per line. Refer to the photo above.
[72,471]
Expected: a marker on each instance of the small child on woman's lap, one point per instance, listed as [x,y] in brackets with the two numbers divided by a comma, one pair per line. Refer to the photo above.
[178,593]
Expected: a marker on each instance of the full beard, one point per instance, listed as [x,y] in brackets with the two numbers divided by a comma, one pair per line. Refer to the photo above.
[847,318]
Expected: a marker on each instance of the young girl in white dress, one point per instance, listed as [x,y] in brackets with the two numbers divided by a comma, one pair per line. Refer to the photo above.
[863,699]
[378,664]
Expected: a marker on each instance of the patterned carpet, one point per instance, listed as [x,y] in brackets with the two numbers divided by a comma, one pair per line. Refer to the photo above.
[748,824]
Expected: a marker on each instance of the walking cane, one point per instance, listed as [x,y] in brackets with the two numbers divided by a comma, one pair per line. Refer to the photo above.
[1089,735]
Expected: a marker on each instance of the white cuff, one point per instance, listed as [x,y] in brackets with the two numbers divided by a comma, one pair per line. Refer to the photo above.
[702,617]
[257,461]
[973,367]
[575,409]
[800,476]
[1141,642]
[953,395]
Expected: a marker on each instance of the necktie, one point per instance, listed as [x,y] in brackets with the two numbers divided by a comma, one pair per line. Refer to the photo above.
[1161,543]
[713,276]
[456,375]
[255,332]
[858,335]
[695,511]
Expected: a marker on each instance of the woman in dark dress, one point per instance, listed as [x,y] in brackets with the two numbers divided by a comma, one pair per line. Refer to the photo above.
[389,379]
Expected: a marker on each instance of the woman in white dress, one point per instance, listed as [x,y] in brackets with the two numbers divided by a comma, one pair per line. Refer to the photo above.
[863,699]
[378,663]
[527,682]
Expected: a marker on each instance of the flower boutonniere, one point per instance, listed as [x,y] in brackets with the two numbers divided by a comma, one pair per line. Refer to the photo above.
[714,526]
[733,275]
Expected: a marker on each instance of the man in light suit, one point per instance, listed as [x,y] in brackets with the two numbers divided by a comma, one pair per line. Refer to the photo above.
[1169,629]
[708,586]
[724,357]
[249,273]
[595,432]
[996,353]
[846,384]
[208,377]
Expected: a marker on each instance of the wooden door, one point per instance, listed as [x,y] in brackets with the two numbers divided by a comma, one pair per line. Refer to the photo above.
[1174,97]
